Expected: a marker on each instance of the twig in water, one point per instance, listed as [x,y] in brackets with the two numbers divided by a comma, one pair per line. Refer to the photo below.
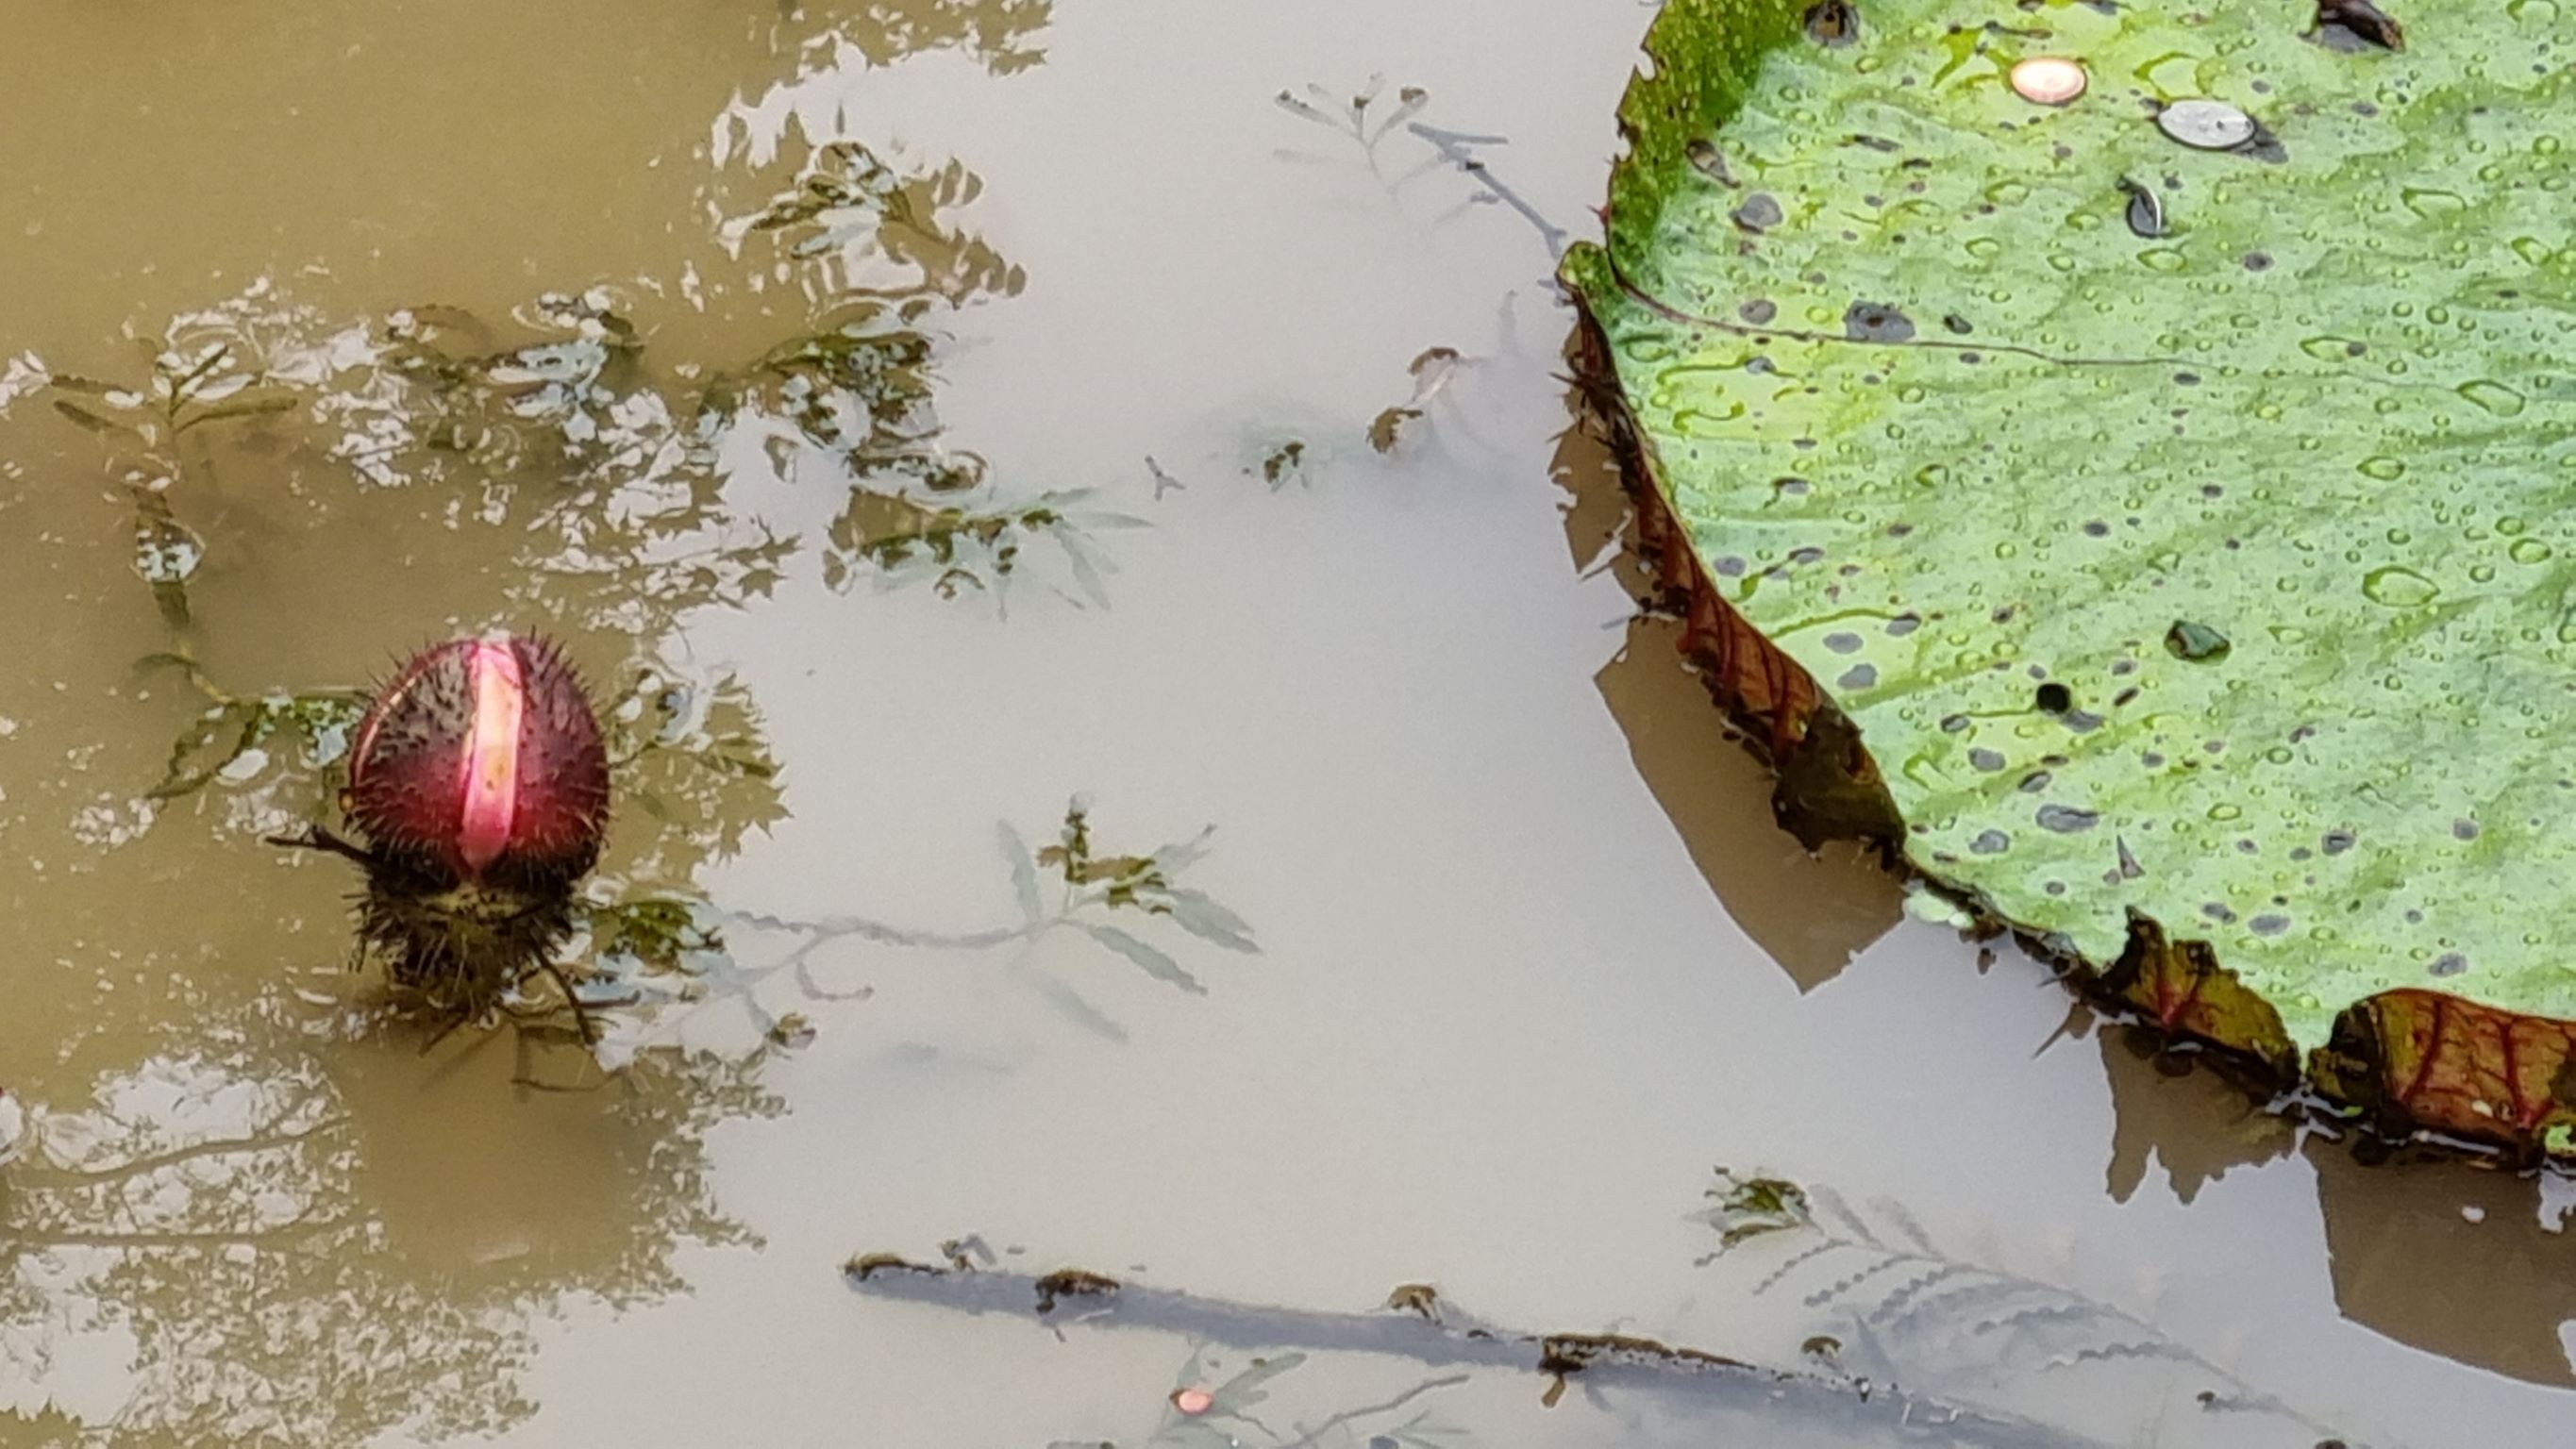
[1421,1327]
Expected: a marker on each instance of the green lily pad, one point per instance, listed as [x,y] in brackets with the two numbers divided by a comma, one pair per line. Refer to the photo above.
[2203,603]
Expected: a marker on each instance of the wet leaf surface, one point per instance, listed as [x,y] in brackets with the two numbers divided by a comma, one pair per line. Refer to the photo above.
[2325,426]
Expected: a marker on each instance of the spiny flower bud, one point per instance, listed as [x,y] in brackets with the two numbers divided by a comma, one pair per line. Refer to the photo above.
[482,760]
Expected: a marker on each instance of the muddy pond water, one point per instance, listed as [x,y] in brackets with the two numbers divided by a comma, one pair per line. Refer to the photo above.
[925,422]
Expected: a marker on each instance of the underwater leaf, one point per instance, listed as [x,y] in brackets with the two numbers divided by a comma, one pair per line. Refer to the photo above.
[1150,960]
[1245,1390]
[1078,1009]
[95,422]
[1024,873]
[1196,912]
[259,405]
[213,741]
[2201,604]
[1087,564]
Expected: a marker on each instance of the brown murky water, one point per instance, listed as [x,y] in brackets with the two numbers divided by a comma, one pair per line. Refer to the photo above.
[560,317]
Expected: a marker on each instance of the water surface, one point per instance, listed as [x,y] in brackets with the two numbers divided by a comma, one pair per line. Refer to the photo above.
[1531,958]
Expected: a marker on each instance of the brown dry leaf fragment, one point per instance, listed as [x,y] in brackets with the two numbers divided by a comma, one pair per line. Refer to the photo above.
[1387,430]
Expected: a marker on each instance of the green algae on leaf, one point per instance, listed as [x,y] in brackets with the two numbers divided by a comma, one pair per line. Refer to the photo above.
[2198,601]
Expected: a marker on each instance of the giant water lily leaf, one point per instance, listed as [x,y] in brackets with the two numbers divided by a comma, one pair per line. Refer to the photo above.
[2168,548]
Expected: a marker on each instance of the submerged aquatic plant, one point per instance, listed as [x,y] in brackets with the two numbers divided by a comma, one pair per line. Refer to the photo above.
[188,384]
[1368,127]
[1069,887]
[855,386]
[236,738]
[1896,1308]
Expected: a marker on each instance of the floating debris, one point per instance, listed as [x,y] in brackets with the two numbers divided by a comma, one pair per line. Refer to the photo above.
[1759,213]
[1877,322]
[2206,125]
[2350,24]
[2198,643]
[1832,22]
[2049,80]
[1711,163]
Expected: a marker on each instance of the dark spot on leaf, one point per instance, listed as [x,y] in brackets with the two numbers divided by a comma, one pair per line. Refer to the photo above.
[2268,925]
[1985,759]
[1759,213]
[2217,911]
[1711,162]
[1843,642]
[2054,698]
[2464,829]
[1957,325]
[2066,819]
[1729,567]
[1951,724]
[2096,528]
[2198,643]
[1834,23]
[2082,721]
[2258,261]
[2035,781]
[1859,676]
[1876,322]
[2338,841]
[1758,311]
[2129,867]
[1904,624]
[1992,842]
[2449,963]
